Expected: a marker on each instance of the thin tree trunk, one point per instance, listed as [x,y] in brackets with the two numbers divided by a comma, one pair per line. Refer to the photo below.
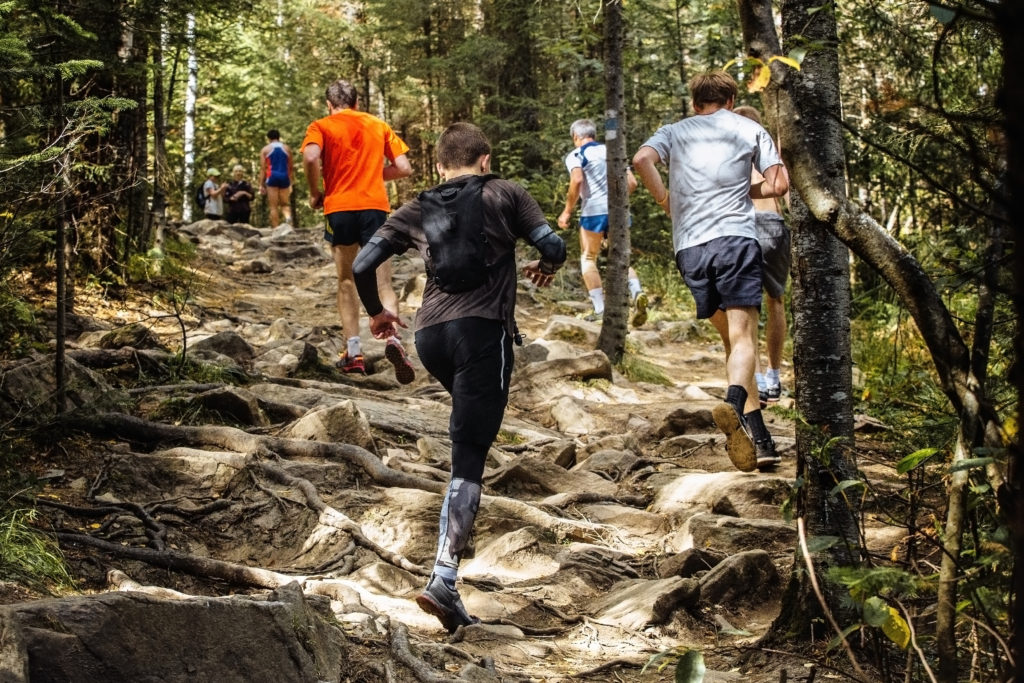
[158,207]
[188,139]
[612,339]
[62,270]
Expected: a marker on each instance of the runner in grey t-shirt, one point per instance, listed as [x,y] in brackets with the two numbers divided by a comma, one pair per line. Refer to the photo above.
[709,157]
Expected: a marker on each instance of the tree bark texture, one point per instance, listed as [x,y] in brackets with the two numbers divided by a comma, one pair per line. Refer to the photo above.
[822,355]
[612,339]
[1010,21]
[794,116]
[856,229]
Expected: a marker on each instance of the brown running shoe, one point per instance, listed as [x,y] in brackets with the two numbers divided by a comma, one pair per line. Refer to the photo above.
[738,443]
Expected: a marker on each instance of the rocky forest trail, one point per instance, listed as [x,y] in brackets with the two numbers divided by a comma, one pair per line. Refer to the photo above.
[613,526]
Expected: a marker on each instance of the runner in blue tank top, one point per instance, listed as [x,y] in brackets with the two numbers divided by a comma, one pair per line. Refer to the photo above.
[276,183]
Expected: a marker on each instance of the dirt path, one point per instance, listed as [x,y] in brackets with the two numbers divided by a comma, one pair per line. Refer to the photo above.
[613,525]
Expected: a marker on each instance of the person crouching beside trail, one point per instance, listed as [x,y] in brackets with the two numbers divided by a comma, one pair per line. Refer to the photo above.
[464,339]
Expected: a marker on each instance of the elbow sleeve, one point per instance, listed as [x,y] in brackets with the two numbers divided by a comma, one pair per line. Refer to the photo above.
[550,245]
[364,272]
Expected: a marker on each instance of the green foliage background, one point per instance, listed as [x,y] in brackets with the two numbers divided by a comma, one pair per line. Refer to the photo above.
[924,148]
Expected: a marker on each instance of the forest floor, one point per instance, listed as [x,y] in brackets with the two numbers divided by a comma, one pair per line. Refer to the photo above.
[600,494]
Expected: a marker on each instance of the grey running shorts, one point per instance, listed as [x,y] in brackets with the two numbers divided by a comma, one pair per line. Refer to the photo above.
[773,235]
[723,273]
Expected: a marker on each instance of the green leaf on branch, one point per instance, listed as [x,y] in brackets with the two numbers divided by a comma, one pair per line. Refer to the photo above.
[880,614]
[816,544]
[914,459]
[845,484]
[971,464]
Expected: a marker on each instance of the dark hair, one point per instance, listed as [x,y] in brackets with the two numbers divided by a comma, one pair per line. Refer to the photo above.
[461,145]
[341,93]
[273,134]
[712,87]
[749,112]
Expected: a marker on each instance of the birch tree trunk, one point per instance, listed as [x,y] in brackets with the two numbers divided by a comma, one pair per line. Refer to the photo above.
[188,139]
[612,339]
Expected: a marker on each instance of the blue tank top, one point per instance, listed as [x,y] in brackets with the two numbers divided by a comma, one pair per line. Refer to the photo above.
[277,165]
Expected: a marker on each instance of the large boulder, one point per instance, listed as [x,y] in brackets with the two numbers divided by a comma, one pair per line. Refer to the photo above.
[134,637]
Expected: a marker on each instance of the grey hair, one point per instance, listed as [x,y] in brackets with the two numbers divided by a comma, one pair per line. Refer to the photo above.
[583,128]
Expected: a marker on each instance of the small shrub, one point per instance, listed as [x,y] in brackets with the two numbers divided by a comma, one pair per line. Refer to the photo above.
[29,557]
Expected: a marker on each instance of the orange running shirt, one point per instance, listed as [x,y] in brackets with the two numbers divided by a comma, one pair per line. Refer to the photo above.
[353,145]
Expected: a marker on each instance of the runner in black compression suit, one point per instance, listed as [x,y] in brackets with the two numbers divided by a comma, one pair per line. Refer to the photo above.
[464,340]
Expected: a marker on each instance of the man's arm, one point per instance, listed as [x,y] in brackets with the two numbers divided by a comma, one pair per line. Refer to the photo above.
[263,170]
[364,273]
[291,171]
[399,168]
[552,251]
[775,183]
[644,163]
[311,165]
[630,182]
[573,196]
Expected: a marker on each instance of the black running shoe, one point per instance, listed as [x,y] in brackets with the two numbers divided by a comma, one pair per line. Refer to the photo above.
[767,457]
[445,604]
[773,394]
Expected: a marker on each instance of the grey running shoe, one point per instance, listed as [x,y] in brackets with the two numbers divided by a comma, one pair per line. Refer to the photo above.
[404,371]
[639,309]
[594,317]
[738,443]
[445,604]
[767,457]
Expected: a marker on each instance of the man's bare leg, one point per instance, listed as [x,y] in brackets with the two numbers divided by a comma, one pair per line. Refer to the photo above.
[775,332]
[348,298]
[590,247]
[273,201]
[742,331]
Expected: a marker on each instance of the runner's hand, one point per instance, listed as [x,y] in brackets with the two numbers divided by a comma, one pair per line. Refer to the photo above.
[385,324]
[538,277]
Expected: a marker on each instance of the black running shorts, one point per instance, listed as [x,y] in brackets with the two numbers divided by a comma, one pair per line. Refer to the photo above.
[345,228]
[723,273]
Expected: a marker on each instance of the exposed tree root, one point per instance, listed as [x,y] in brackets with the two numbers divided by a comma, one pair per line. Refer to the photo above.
[563,500]
[400,649]
[621,663]
[185,562]
[562,528]
[338,520]
[136,429]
